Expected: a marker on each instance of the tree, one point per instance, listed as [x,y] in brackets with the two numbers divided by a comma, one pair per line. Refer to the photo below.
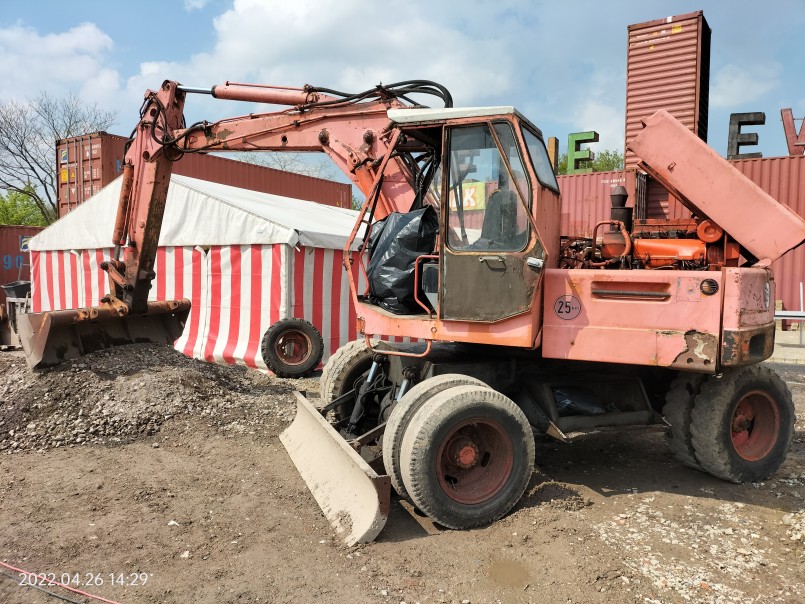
[298,163]
[28,134]
[16,208]
[605,161]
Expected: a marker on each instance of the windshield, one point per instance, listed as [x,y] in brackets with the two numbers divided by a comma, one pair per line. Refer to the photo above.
[539,159]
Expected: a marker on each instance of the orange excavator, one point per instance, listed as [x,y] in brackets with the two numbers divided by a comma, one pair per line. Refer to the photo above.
[516,330]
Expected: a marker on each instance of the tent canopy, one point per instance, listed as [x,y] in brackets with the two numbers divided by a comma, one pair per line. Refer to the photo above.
[203,213]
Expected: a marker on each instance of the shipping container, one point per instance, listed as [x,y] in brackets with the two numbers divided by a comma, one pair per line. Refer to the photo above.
[86,164]
[15,264]
[586,201]
[668,67]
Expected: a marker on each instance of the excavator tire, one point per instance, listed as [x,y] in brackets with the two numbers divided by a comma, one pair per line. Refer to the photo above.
[467,456]
[292,348]
[677,409]
[346,368]
[401,415]
[742,424]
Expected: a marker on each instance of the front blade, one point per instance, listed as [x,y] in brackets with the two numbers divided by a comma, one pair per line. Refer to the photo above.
[354,498]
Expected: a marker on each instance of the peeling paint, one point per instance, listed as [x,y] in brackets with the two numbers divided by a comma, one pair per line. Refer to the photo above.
[701,352]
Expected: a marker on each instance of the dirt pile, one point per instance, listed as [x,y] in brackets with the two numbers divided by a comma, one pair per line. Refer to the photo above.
[113,397]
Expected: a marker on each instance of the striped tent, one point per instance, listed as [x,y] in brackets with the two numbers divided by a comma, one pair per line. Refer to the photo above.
[244,259]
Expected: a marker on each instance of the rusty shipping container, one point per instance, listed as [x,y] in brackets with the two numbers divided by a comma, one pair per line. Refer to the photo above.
[668,67]
[586,201]
[14,257]
[86,164]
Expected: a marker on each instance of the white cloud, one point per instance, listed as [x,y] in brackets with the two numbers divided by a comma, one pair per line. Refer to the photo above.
[191,5]
[608,121]
[54,62]
[735,85]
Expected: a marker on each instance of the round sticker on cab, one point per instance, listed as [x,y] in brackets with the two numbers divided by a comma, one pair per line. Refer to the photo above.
[567,307]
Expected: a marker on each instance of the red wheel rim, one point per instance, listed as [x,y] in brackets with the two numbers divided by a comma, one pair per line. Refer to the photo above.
[755,425]
[474,461]
[293,347]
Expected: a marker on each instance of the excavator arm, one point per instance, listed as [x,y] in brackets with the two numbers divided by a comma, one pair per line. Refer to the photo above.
[352,129]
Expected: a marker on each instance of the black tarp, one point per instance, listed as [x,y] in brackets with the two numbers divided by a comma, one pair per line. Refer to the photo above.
[395,244]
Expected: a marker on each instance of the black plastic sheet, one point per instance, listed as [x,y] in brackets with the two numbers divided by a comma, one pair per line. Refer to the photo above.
[395,244]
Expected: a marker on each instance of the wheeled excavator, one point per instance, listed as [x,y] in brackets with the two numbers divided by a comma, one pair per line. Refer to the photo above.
[515,331]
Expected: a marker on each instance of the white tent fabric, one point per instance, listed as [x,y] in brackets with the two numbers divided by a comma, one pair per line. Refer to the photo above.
[202,213]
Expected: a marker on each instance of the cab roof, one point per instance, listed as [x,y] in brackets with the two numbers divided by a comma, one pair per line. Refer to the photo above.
[416,115]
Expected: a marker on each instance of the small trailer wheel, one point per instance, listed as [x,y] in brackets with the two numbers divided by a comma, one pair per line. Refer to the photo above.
[742,424]
[401,415]
[292,347]
[467,456]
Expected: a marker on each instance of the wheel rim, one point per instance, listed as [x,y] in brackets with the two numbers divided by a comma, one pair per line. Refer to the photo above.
[755,425]
[475,461]
[293,347]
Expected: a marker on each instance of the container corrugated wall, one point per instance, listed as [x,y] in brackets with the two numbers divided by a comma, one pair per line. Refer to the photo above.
[86,164]
[586,202]
[668,67]
[14,257]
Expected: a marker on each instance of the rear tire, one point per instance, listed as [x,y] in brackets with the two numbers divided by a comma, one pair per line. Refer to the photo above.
[742,424]
[467,456]
[401,415]
[292,348]
[677,410]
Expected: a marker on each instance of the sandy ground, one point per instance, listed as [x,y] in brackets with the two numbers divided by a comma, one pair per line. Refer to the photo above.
[169,484]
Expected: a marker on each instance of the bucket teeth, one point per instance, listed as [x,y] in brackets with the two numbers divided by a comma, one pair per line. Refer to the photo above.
[52,337]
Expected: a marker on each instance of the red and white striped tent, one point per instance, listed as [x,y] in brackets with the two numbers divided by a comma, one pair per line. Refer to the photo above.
[244,259]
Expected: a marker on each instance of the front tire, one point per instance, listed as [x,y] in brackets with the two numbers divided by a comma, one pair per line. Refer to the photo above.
[467,456]
[401,415]
[742,424]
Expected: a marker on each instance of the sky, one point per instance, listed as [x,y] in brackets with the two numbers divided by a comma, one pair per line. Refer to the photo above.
[561,63]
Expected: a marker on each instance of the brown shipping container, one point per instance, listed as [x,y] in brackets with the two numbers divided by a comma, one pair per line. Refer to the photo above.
[86,164]
[14,257]
[668,67]
[586,201]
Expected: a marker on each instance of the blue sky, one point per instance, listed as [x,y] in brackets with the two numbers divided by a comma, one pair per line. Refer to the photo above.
[561,63]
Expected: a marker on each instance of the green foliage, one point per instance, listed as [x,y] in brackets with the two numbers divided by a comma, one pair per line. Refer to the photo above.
[605,161]
[19,208]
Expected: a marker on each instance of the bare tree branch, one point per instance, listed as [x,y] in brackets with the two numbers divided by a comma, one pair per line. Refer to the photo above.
[307,164]
[28,135]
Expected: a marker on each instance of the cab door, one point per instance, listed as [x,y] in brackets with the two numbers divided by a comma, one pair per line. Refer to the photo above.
[491,255]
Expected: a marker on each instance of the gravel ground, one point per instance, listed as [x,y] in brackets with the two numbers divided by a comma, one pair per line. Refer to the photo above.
[142,461]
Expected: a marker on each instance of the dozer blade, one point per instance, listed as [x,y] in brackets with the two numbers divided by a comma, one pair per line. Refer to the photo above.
[49,338]
[353,497]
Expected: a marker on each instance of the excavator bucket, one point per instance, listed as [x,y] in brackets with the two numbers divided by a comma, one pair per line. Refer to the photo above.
[48,338]
[353,497]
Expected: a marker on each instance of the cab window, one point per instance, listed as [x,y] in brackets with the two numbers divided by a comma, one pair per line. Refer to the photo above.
[485,210]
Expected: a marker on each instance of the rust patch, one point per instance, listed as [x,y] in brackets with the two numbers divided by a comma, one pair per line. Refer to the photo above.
[747,346]
[700,354]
